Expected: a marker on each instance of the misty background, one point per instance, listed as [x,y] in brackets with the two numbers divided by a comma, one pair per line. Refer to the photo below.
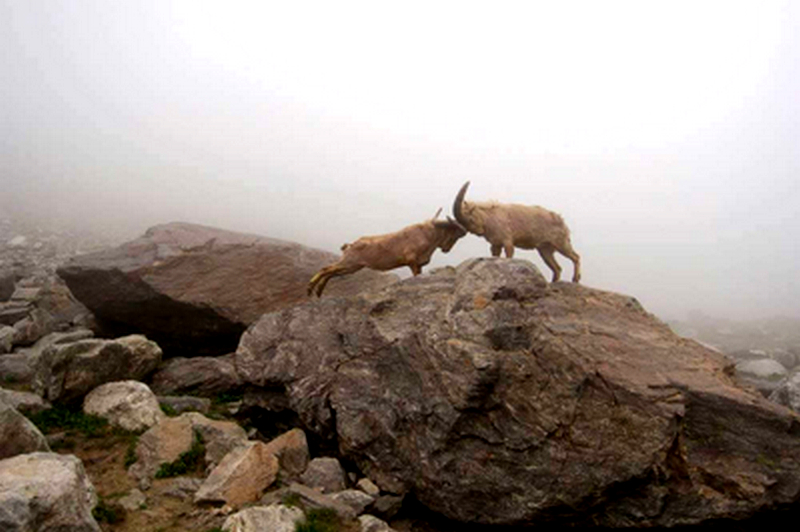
[665,133]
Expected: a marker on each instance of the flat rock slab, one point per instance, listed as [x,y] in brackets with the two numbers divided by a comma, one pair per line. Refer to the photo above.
[498,398]
[195,289]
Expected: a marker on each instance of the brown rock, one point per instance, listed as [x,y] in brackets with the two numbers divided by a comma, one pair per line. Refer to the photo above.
[195,289]
[241,477]
[291,450]
[501,399]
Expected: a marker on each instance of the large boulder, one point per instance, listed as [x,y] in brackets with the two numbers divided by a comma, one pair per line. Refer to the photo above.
[129,405]
[70,371]
[45,492]
[495,397]
[195,289]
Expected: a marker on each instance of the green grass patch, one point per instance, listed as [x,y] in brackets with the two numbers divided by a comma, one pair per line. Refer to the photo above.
[226,397]
[291,499]
[105,513]
[130,452]
[168,410]
[189,462]
[70,420]
[319,520]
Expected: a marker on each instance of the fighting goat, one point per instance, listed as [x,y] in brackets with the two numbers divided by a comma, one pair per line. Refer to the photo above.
[412,246]
[509,225]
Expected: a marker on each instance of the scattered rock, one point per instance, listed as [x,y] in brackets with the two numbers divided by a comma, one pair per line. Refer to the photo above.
[291,450]
[311,498]
[25,402]
[241,477]
[368,487]
[126,404]
[370,523]
[16,368]
[185,403]
[388,505]
[765,374]
[17,434]
[172,436]
[325,473]
[69,371]
[275,518]
[182,488]
[205,376]
[469,385]
[220,437]
[163,443]
[133,501]
[355,499]
[46,492]
[6,339]
[788,392]
[195,289]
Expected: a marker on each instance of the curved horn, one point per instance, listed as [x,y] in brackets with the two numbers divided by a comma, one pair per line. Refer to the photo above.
[457,205]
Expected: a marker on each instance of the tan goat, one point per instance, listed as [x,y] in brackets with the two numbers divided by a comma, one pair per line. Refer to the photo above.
[412,246]
[509,225]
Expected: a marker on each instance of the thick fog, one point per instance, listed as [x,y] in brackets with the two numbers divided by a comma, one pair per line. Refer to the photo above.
[665,133]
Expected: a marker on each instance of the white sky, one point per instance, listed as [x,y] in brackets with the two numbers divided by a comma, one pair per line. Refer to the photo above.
[666,133]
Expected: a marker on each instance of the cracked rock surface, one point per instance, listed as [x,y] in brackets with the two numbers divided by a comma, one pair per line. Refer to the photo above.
[495,397]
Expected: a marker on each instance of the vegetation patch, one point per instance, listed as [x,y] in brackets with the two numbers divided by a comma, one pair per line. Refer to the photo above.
[130,452]
[105,513]
[168,410]
[72,420]
[189,462]
[291,500]
[320,520]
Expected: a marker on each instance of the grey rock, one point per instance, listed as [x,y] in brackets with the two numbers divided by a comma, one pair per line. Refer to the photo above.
[388,505]
[764,374]
[276,518]
[69,371]
[185,403]
[45,492]
[470,385]
[325,473]
[133,501]
[17,434]
[370,523]
[129,405]
[311,498]
[25,402]
[6,339]
[291,450]
[204,376]
[195,289]
[368,487]
[165,441]
[788,392]
[355,499]
[182,488]
[16,368]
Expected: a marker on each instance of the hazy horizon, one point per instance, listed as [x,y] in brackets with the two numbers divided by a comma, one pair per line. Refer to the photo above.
[665,134]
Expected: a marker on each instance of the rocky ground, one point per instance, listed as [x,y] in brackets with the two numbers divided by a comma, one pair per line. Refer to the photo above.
[471,398]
